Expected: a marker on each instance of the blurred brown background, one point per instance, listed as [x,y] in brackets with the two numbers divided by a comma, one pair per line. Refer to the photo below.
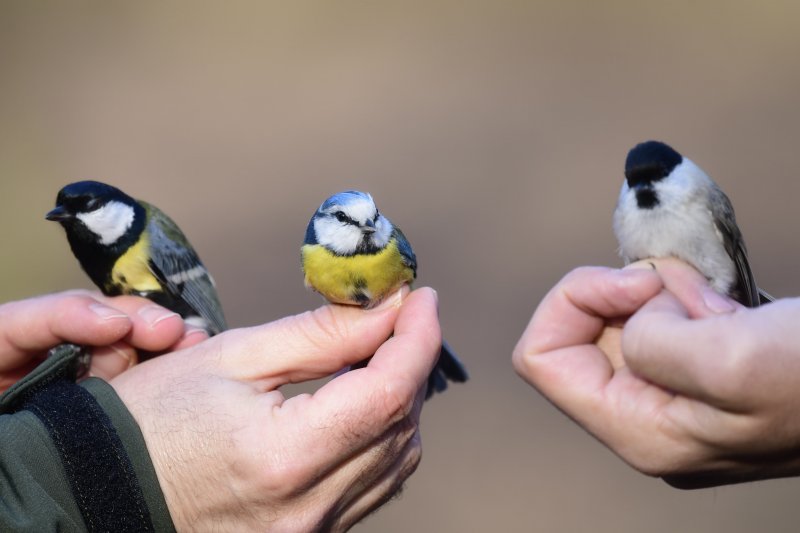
[493,133]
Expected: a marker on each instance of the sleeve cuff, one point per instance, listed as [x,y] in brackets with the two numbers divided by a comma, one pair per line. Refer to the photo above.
[134,444]
[101,449]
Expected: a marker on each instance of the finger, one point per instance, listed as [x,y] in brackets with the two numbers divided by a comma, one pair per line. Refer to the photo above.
[364,470]
[367,464]
[358,407]
[310,345]
[382,489]
[664,345]
[692,289]
[575,311]
[154,328]
[417,328]
[35,325]
[112,360]
[191,336]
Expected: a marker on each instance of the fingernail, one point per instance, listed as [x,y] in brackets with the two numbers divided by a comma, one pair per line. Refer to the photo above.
[189,331]
[634,273]
[639,265]
[435,295]
[715,301]
[107,313]
[153,314]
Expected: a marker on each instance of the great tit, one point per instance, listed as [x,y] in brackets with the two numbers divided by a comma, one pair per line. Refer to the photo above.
[352,254]
[128,246]
[669,207]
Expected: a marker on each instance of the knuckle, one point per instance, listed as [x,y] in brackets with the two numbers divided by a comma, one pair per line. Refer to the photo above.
[414,456]
[654,463]
[285,477]
[661,448]
[78,292]
[579,277]
[524,360]
[578,273]
[410,465]
[519,359]
[325,327]
[70,299]
[66,304]
[398,398]
[319,330]
[407,431]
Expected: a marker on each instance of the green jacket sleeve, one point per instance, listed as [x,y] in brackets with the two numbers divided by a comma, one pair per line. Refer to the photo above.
[35,490]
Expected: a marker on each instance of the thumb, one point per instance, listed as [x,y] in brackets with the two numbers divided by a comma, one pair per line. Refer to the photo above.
[310,345]
[692,289]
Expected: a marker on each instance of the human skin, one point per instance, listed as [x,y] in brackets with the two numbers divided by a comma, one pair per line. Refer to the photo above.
[680,382]
[115,327]
[233,454]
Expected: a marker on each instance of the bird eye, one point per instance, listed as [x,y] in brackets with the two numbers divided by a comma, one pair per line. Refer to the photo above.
[340,216]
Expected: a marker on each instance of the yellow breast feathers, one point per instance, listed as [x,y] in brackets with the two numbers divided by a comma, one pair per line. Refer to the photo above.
[356,279]
[131,272]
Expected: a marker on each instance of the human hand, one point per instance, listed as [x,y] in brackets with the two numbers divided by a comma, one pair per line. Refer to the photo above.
[232,454]
[115,327]
[695,388]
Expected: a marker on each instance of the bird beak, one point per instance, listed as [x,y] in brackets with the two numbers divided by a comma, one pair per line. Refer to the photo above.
[369,227]
[59,214]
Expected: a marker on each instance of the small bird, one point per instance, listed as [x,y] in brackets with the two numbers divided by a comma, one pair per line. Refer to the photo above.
[669,207]
[128,246]
[352,254]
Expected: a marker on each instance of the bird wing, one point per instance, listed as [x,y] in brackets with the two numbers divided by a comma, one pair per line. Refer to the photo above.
[746,290]
[180,270]
[405,250]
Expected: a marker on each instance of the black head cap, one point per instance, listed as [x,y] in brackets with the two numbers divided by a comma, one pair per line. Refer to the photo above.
[650,161]
[85,196]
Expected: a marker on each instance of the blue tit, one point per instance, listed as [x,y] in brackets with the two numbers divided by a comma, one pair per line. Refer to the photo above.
[352,254]
[128,246]
[669,207]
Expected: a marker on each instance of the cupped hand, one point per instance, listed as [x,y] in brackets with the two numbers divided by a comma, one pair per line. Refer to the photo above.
[676,379]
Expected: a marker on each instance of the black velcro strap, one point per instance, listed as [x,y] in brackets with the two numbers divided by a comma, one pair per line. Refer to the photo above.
[98,468]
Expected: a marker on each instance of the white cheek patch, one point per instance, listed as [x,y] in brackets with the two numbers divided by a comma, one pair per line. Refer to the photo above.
[336,236]
[383,232]
[110,222]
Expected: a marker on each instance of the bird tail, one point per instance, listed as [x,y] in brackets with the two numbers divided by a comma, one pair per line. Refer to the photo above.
[448,368]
